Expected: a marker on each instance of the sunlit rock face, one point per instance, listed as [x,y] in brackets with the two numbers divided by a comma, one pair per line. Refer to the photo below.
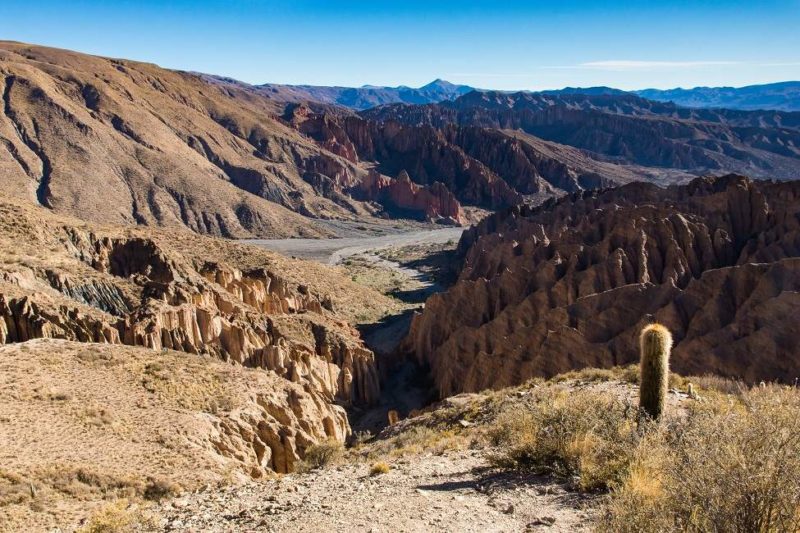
[214,299]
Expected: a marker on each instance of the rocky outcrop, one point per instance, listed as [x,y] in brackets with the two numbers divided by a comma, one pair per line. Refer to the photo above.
[570,284]
[401,195]
[120,288]
[273,431]
[423,152]
[23,319]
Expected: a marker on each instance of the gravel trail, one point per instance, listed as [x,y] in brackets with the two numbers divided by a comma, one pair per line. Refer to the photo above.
[454,492]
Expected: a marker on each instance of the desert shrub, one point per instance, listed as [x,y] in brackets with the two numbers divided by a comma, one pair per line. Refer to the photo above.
[359,438]
[13,488]
[112,518]
[379,468]
[119,516]
[720,384]
[322,454]
[436,440]
[628,374]
[585,436]
[589,374]
[86,483]
[157,489]
[729,466]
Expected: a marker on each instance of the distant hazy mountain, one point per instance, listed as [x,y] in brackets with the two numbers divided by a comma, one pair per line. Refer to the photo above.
[784,96]
[591,91]
[369,95]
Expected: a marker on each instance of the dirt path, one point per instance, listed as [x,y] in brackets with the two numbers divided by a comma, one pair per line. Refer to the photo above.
[453,492]
[334,251]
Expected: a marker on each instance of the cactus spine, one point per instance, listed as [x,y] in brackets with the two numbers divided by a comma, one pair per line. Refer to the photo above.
[655,344]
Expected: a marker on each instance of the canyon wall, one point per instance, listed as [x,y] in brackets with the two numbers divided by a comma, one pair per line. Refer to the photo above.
[570,284]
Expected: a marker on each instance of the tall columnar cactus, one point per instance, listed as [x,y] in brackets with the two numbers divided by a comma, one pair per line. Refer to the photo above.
[655,344]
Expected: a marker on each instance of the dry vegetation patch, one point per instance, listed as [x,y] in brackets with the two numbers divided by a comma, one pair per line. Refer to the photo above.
[321,455]
[726,460]
[730,465]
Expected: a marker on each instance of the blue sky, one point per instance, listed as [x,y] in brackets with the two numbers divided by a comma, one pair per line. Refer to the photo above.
[503,45]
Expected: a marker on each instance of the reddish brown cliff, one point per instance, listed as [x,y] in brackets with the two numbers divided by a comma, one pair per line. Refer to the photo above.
[434,203]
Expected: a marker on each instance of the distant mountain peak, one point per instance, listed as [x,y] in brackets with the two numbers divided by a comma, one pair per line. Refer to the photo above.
[440,83]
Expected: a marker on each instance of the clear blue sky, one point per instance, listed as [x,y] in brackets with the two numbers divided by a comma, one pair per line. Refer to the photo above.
[492,44]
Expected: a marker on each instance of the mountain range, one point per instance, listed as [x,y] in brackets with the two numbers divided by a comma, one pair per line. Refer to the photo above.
[122,142]
[368,96]
[783,96]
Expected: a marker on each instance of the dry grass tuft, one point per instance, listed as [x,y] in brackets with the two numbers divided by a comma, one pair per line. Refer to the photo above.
[379,468]
[321,455]
[709,382]
[118,517]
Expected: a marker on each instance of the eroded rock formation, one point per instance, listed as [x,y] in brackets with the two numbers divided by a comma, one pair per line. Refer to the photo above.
[626,128]
[114,287]
[570,284]
[434,203]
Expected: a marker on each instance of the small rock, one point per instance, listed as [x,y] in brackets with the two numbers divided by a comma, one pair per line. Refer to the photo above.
[542,521]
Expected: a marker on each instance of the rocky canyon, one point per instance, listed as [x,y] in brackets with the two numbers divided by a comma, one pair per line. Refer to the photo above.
[157,356]
[569,284]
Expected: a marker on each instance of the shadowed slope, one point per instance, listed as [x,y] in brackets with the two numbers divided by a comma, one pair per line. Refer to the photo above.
[570,285]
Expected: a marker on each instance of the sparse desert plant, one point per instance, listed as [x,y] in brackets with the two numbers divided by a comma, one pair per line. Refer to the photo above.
[710,382]
[379,468]
[359,438]
[322,454]
[158,489]
[118,517]
[733,464]
[586,435]
[420,439]
[112,518]
[655,345]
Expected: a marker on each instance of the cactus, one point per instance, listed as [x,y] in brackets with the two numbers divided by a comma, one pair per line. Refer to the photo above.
[655,343]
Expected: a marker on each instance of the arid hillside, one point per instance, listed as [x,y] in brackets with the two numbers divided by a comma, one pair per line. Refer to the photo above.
[571,283]
[207,298]
[116,141]
[120,142]
[86,424]
[627,130]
